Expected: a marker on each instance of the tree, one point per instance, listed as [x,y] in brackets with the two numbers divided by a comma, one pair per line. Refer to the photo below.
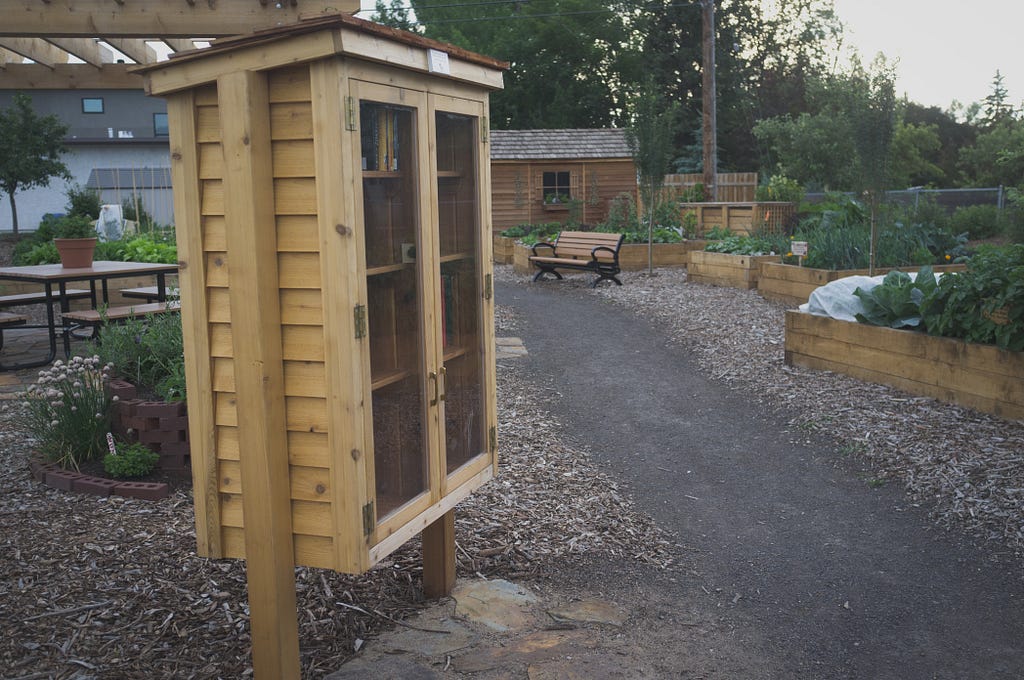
[996,107]
[652,124]
[395,15]
[915,150]
[997,156]
[30,150]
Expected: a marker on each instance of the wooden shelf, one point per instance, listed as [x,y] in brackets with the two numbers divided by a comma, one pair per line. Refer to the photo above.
[389,378]
[452,353]
[383,174]
[455,257]
[448,174]
[389,268]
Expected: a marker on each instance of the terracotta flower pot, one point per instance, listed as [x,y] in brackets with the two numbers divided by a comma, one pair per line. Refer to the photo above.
[75,253]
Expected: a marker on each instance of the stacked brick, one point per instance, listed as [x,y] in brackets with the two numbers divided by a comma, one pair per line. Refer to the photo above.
[161,426]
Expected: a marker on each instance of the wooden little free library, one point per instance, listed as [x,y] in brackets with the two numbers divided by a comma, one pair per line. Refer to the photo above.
[331,195]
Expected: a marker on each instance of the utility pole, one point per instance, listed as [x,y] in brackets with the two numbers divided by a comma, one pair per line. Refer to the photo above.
[710,124]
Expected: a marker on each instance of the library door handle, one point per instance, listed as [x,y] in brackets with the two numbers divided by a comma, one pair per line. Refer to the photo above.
[433,378]
[443,379]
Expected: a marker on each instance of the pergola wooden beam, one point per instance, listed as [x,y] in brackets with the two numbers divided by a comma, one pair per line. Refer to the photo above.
[179,44]
[156,18]
[134,49]
[86,49]
[68,77]
[38,51]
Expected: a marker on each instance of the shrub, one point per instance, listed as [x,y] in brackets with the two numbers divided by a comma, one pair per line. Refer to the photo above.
[514,232]
[67,411]
[147,352]
[130,460]
[780,188]
[83,202]
[980,221]
[983,304]
[740,245]
[74,226]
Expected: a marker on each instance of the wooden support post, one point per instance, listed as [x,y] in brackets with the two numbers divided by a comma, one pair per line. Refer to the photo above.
[251,232]
[439,556]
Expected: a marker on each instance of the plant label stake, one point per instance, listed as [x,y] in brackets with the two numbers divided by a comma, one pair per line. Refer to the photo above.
[799,248]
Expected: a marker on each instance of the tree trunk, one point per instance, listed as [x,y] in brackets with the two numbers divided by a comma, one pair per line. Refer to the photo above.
[14,214]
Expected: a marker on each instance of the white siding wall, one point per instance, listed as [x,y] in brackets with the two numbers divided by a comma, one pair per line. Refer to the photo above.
[81,160]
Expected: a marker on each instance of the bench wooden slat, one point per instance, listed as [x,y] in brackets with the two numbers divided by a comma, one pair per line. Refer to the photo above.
[94,317]
[19,299]
[148,292]
[7,319]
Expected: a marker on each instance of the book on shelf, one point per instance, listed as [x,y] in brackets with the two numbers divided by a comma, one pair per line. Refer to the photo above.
[380,139]
[449,300]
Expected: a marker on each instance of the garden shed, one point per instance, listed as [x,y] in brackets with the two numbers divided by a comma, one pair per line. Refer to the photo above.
[552,175]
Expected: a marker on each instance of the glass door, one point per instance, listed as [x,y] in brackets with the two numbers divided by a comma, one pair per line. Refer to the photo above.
[456,132]
[393,238]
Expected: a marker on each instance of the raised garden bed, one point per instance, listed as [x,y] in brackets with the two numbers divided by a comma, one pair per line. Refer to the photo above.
[982,377]
[740,218]
[725,269]
[504,246]
[793,284]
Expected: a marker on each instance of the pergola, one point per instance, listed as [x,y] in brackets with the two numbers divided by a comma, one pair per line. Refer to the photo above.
[70,41]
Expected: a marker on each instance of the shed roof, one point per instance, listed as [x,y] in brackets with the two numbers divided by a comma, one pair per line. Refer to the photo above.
[523,145]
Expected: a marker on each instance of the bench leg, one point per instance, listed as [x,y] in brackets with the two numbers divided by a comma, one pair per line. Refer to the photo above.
[542,272]
[609,277]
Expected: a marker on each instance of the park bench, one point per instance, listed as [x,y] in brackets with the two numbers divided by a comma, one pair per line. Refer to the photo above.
[97,317]
[21,299]
[584,250]
[148,293]
[9,320]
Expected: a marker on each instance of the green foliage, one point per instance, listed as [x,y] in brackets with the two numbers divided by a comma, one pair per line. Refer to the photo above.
[147,351]
[39,253]
[979,221]
[514,232]
[915,155]
[129,461]
[896,302]
[83,201]
[997,156]
[67,411]
[985,304]
[689,225]
[110,250]
[622,216]
[718,232]
[780,188]
[659,235]
[31,147]
[74,226]
[133,209]
[145,249]
[740,245]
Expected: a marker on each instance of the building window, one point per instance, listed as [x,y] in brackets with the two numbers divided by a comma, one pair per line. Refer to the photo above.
[160,125]
[92,104]
[556,188]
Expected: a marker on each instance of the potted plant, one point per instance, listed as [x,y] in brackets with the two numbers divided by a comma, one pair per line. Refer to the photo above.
[75,238]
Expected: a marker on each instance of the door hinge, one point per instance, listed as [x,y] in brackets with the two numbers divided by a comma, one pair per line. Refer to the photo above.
[488,286]
[493,436]
[484,130]
[350,113]
[368,519]
[359,317]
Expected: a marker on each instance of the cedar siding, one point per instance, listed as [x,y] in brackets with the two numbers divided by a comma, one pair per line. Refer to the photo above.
[599,164]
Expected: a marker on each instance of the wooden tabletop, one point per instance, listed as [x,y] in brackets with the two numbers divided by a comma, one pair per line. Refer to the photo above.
[99,270]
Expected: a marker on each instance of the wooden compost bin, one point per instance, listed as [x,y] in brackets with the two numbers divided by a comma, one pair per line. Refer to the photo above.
[740,218]
[331,190]
[503,246]
[725,269]
[793,284]
[981,377]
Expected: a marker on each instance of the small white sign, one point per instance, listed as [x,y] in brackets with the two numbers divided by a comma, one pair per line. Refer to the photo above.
[437,62]
[799,248]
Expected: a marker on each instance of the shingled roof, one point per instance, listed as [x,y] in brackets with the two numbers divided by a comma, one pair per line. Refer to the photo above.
[526,145]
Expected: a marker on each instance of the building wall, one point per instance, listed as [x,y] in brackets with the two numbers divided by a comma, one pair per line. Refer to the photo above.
[81,159]
[517,193]
[124,111]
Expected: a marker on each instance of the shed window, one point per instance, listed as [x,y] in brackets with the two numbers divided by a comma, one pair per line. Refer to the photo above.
[556,187]
[92,104]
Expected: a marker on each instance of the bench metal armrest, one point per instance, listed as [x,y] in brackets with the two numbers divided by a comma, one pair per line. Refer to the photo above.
[613,251]
[544,244]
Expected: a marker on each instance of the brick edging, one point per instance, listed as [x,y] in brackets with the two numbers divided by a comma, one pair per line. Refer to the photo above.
[53,475]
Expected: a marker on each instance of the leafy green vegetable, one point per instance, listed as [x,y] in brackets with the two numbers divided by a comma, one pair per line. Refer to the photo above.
[896,302]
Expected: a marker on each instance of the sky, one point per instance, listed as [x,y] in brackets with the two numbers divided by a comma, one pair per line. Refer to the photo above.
[945,50]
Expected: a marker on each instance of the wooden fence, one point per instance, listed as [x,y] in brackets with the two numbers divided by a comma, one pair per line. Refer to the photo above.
[733,187]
